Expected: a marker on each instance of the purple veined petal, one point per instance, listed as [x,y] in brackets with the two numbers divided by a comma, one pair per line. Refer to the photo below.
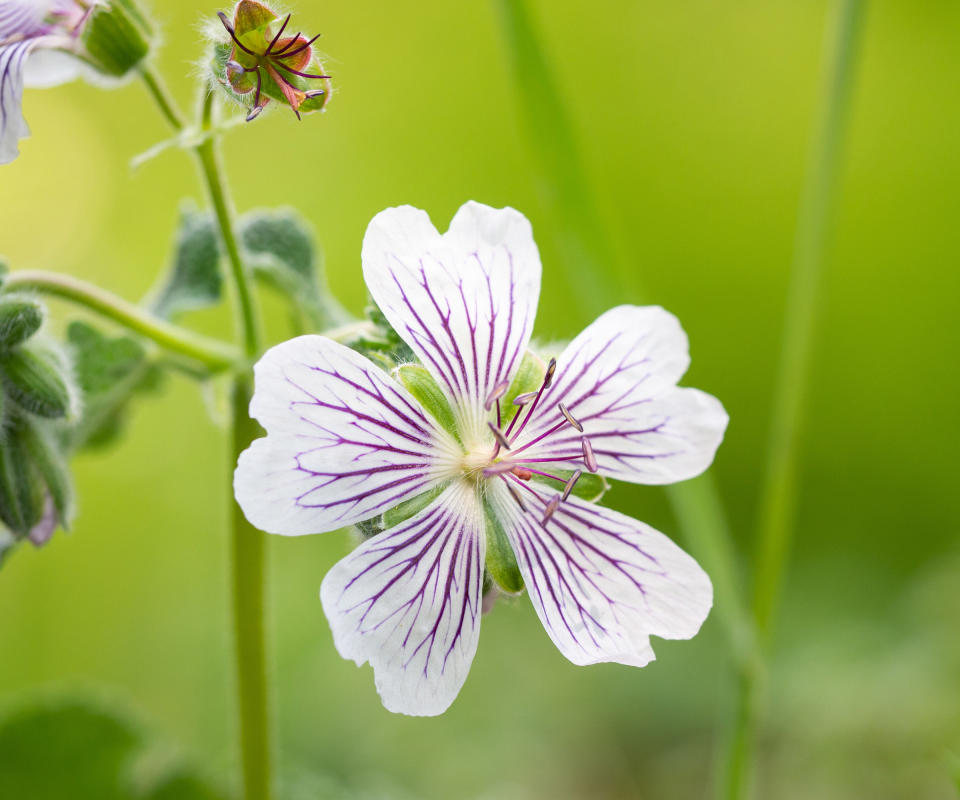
[465,301]
[408,601]
[13,126]
[618,379]
[344,441]
[24,18]
[601,582]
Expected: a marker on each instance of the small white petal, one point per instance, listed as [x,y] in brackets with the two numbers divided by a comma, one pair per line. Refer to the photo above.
[465,301]
[408,602]
[618,379]
[601,582]
[345,441]
[13,126]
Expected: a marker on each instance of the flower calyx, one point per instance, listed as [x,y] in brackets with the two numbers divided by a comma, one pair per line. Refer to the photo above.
[263,62]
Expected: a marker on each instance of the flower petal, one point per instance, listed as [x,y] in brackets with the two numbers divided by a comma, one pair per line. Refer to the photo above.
[408,601]
[601,582]
[465,301]
[618,380]
[13,126]
[345,441]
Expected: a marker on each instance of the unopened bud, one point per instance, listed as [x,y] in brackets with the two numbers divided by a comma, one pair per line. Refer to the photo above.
[20,318]
[116,36]
[38,381]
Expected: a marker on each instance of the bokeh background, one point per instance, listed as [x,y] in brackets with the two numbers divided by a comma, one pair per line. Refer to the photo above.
[693,122]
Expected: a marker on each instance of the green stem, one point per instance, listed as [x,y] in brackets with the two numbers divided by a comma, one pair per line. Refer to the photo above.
[219,196]
[248,576]
[212,353]
[778,497]
[161,96]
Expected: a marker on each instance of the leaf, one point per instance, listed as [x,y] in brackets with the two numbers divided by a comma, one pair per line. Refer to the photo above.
[51,752]
[109,371]
[194,280]
[74,750]
[284,256]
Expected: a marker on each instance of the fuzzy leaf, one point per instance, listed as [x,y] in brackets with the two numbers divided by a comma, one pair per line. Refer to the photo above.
[109,371]
[284,256]
[194,279]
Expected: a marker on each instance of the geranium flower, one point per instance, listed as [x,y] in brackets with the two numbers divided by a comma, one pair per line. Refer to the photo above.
[491,456]
[36,40]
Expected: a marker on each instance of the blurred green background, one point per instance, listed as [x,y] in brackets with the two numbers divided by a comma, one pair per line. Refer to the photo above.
[693,120]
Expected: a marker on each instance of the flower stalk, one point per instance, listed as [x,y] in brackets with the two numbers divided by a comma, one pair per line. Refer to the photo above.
[213,354]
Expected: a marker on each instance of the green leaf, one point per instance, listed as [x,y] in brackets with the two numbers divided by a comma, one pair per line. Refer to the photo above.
[109,371]
[74,750]
[20,318]
[194,279]
[37,380]
[283,256]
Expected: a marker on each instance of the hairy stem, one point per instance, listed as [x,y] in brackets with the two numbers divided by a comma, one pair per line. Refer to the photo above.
[165,103]
[213,354]
[248,576]
[778,497]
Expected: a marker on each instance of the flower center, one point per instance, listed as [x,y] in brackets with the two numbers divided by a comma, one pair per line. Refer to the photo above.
[508,463]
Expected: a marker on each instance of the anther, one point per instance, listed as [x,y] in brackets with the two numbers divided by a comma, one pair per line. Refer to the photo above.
[497,469]
[523,399]
[498,391]
[568,487]
[522,473]
[588,457]
[548,378]
[517,497]
[569,417]
[551,507]
[501,439]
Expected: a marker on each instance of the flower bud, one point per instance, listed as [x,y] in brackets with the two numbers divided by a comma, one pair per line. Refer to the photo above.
[22,493]
[261,61]
[116,36]
[39,381]
[20,318]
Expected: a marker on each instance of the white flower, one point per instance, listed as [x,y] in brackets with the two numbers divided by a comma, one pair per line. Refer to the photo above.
[36,39]
[346,441]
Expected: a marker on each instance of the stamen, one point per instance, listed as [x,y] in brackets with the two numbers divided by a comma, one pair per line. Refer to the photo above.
[288,45]
[226,24]
[570,484]
[523,399]
[569,417]
[498,391]
[588,457]
[302,47]
[516,496]
[501,439]
[277,37]
[498,469]
[301,74]
[548,378]
[551,507]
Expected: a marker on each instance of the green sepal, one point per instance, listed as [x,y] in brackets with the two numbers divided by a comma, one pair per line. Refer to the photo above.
[406,509]
[501,561]
[36,380]
[420,383]
[20,318]
[590,486]
[284,256]
[528,378]
[115,39]
[21,488]
[51,465]
[384,340]
[251,17]
[194,278]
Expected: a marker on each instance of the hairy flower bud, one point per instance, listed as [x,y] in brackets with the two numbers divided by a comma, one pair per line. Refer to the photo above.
[39,381]
[261,62]
[116,37]
[20,318]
